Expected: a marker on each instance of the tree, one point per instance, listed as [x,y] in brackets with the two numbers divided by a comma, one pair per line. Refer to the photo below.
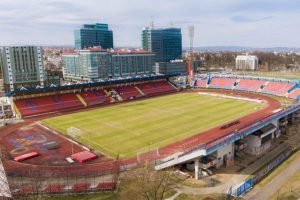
[146,184]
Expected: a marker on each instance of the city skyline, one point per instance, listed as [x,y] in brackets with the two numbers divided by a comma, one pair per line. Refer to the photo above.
[217,23]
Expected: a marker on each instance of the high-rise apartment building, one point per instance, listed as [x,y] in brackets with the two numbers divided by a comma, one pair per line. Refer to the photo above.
[22,66]
[165,43]
[91,35]
[246,62]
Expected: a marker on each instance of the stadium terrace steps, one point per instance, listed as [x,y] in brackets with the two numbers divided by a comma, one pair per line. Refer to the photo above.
[60,102]
[46,104]
[156,88]
[16,109]
[95,97]
[277,88]
[201,83]
[128,92]
[140,91]
[173,85]
[107,94]
[81,100]
[262,87]
[226,83]
[249,85]
[295,94]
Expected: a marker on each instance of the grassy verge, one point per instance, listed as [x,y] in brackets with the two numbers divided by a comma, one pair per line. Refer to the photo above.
[290,189]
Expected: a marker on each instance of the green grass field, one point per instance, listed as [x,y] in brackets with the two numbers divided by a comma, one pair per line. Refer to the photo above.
[138,126]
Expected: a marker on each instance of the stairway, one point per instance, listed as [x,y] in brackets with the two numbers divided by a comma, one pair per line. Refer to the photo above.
[15,108]
[261,88]
[81,100]
[140,91]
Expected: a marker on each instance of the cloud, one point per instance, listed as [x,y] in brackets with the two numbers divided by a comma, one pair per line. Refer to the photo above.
[239,18]
[217,22]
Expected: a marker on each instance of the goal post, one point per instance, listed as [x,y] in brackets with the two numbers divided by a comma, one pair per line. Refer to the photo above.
[73,132]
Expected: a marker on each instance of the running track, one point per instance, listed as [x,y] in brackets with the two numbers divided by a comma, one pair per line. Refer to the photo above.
[108,166]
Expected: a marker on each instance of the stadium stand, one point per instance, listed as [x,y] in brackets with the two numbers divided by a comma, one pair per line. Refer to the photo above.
[201,83]
[277,88]
[128,92]
[295,94]
[79,187]
[106,186]
[226,83]
[156,88]
[54,188]
[45,104]
[95,97]
[249,85]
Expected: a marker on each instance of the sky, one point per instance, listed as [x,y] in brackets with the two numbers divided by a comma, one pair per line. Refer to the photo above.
[252,23]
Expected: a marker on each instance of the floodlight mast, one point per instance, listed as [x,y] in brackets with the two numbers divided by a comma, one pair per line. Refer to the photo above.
[189,64]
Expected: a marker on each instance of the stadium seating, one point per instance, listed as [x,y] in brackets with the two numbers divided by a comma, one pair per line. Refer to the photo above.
[249,85]
[60,102]
[277,88]
[54,188]
[226,83]
[95,97]
[45,104]
[80,187]
[106,186]
[201,83]
[294,94]
[156,88]
[128,92]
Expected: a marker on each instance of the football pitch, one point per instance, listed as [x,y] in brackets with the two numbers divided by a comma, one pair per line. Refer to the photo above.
[138,126]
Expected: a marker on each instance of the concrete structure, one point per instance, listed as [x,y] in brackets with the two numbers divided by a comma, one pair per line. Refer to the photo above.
[22,67]
[246,62]
[94,64]
[172,67]
[261,140]
[165,43]
[91,35]
[254,140]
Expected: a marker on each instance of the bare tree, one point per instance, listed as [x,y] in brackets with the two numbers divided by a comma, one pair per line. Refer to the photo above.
[146,184]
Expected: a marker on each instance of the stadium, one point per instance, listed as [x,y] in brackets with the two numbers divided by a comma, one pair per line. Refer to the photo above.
[102,127]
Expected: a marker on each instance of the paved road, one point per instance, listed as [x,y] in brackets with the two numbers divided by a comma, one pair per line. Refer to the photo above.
[267,191]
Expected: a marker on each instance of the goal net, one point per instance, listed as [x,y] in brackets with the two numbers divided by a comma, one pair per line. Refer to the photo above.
[73,132]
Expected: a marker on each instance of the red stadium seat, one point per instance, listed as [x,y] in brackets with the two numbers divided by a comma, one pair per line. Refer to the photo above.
[128,92]
[277,88]
[156,88]
[249,85]
[95,97]
[226,83]
[46,104]
[295,94]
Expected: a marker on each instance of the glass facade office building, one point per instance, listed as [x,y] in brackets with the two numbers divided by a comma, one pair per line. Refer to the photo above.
[91,35]
[92,65]
[165,43]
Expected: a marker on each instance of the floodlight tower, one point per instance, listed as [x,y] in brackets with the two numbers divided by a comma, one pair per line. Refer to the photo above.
[190,68]
[191,30]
